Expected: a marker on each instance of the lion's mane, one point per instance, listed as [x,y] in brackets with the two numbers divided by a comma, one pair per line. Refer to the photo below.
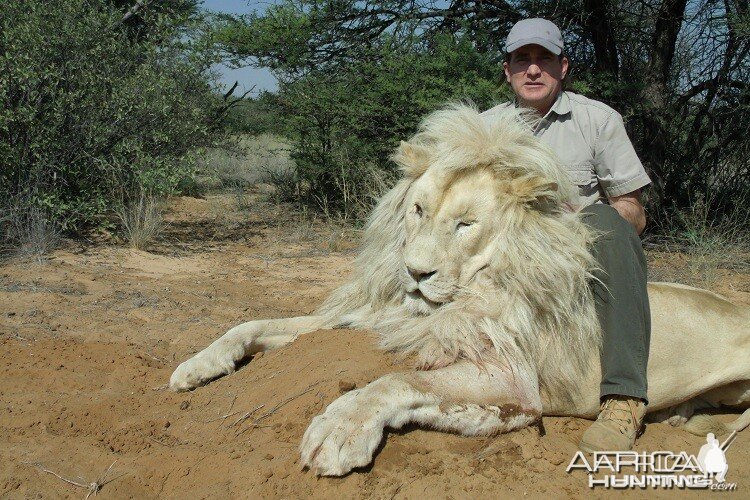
[540,311]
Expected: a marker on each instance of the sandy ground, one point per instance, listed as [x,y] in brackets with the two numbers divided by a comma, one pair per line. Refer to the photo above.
[90,338]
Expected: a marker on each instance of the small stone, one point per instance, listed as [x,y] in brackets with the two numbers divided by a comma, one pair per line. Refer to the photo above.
[346,386]
[268,456]
[167,424]
[281,472]
[185,405]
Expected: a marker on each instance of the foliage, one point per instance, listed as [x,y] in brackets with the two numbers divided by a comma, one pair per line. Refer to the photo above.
[347,123]
[676,70]
[95,105]
[262,114]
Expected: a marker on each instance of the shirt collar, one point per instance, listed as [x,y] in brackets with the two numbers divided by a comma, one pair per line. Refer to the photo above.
[562,104]
[560,107]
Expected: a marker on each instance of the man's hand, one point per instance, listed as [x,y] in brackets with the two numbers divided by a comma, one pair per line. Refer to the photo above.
[629,206]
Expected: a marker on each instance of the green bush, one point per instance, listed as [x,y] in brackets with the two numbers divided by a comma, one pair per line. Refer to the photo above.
[254,116]
[94,110]
[676,71]
[346,123]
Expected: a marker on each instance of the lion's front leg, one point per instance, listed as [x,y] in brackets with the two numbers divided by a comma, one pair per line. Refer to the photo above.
[221,357]
[460,398]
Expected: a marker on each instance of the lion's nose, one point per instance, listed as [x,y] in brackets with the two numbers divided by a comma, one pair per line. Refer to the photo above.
[419,275]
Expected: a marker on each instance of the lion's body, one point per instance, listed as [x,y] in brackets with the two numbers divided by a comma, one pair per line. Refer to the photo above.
[700,352]
[473,262]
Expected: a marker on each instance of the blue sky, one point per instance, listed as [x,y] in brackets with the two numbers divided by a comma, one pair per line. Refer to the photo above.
[247,77]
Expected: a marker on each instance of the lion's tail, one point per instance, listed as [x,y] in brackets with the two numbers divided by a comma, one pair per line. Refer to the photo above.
[702,424]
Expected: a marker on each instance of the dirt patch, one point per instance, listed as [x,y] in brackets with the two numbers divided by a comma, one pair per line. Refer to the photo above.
[89,339]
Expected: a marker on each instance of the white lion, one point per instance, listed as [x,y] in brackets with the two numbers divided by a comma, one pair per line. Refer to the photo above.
[475,263]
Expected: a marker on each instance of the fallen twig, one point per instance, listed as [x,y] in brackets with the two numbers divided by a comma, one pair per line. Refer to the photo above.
[228,414]
[251,426]
[92,487]
[282,403]
[232,404]
[256,422]
[223,417]
[160,360]
[17,336]
[246,415]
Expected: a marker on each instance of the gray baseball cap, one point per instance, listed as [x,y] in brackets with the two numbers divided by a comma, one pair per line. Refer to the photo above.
[535,31]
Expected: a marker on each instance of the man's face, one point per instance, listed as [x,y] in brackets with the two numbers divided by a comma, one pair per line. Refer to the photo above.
[536,76]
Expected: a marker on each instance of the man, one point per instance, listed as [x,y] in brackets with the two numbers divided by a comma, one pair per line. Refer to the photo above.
[590,139]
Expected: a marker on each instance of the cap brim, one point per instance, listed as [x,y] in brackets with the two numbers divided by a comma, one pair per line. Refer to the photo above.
[534,41]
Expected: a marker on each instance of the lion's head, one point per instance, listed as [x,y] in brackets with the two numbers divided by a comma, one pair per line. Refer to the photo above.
[476,246]
[471,177]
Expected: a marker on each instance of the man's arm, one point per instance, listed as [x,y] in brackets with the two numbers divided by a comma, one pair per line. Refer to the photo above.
[630,208]
[620,172]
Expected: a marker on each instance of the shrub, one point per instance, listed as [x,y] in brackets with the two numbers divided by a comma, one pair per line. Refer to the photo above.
[259,115]
[92,106]
[346,123]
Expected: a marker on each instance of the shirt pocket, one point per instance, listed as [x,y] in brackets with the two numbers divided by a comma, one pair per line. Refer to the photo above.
[582,174]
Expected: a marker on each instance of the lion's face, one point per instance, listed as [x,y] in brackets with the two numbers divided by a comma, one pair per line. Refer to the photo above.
[449,233]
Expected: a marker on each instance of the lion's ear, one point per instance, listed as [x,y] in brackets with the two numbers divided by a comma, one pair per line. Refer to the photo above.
[412,158]
[533,189]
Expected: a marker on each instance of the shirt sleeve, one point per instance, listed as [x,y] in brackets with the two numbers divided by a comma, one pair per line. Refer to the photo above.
[616,163]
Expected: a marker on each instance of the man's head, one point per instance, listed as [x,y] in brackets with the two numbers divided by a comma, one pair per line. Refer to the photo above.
[535,66]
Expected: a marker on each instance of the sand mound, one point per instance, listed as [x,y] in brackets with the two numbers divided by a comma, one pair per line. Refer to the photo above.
[77,407]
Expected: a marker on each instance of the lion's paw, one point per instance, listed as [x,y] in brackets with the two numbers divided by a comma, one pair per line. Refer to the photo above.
[344,437]
[677,420]
[197,371]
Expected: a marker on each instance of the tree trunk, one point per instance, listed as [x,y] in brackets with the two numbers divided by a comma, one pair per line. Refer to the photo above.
[656,92]
[599,25]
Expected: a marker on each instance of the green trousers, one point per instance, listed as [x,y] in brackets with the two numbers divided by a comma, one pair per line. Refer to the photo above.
[621,302]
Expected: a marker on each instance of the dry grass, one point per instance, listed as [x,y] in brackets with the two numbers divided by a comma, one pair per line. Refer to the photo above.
[142,220]
[29,231]
[361,198]
[707,249]
[251,160]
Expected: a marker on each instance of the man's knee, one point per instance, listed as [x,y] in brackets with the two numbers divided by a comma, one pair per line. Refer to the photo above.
[606,219]
[616,241]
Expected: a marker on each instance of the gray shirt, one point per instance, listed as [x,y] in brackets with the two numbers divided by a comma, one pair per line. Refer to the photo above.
[590,139]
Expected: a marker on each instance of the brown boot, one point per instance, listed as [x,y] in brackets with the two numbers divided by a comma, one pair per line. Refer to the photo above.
[620,420]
